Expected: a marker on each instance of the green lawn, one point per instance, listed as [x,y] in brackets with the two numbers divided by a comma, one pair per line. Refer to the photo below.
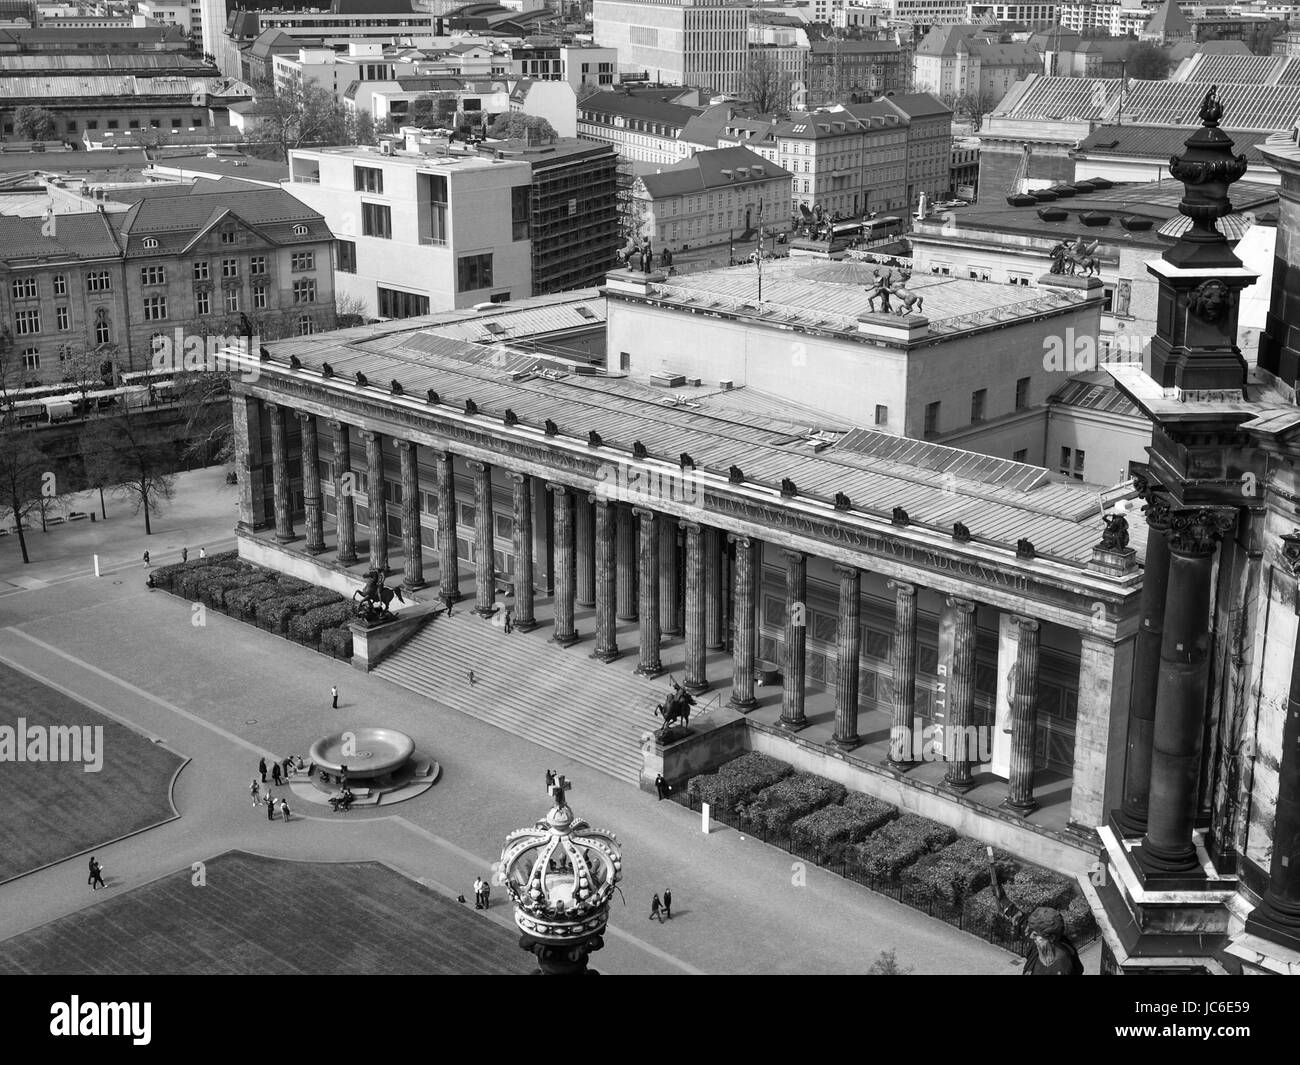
[266,916]
[52,810]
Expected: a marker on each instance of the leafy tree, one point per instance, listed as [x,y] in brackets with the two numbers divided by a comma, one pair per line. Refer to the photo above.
[35,123]
[516,124]
[127,451]
[426,112]
[1147,62]
[359,127]
[299,116]
[23,474]
[766,84]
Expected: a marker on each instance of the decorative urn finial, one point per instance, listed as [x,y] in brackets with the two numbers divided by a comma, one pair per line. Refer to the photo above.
[1207,168]
[561,875]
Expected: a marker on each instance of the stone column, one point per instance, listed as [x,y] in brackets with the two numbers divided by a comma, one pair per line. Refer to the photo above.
[564,566]
[448,561]
[627,566]
[961,697]
[1105,684]
[1167,848]
[524,619]
[696,670]
[847,646]
[247,432]
[485,571]
[375,500]
[344,486]
[714,634]
[1024,714]
[1131,818]
[280,475]
[902,660]
[311,497]
[746,649]
[669,606]
[605,534]
[1277,917]
[648,663]
[585,534]
[412,535]
[796,640]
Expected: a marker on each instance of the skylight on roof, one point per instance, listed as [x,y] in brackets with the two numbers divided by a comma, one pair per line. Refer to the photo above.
[495,328]
[586,312]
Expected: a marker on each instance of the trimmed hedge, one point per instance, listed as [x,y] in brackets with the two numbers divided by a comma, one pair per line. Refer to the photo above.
[308,627]
[1080,925]
[217,594]
[187,584]
[830,830]
[738,780]
[1030,888]
[958,870]
[888,851]
[775,808]
[337,641]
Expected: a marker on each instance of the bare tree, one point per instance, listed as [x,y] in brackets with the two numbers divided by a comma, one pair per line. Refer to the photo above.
[126,450]
[299,116]
[766,84]
[977,104]
[349,310]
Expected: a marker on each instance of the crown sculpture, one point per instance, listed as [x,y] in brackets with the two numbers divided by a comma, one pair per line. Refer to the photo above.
[561,875]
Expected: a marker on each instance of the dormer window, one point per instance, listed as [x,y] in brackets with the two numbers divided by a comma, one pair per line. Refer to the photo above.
[151,242]
[299,231]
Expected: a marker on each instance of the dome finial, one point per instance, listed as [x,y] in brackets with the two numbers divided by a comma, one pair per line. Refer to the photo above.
[1211,108]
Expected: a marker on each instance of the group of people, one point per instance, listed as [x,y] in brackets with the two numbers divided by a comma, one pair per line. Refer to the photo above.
[482,892]
[662,909]
[96,878]
[185,555]
[280,773]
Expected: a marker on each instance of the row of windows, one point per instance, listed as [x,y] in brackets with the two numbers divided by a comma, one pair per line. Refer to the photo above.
[28,286]
[978,405]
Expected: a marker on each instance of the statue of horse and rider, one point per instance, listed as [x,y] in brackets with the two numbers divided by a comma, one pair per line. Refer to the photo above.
[374,598]
[884,286]
[677,707]
[1069,259]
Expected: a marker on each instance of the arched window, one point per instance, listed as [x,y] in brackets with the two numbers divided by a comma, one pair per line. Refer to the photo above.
[151,242]
[103,329]
[299,231]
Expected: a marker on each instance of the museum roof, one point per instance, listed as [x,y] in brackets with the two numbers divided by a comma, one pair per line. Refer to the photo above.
[998,500]
[1162,142]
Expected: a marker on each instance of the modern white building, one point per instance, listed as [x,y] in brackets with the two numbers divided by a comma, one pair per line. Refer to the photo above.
[584,67]
[679,42]
[183,13]
[418,232]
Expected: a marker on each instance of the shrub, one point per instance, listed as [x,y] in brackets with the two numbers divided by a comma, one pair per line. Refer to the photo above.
[242,601]
[737,780]
[221,596]
[889,850]
[775,808]
[187,584]
[309,627]
[1031,887]
[337,641]
[165,576]
[1080,925]
[958,870]
[830,830]
[274,613]
[213,582]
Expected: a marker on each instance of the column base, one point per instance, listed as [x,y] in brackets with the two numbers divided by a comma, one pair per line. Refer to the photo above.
[959,786]
[649,671]
[1277,922]
[845,743]
[414,586]
[524,626]
[346,559]
[899,766]
[715,646]
[315,549]
[792,724]
[1129,823]
[449,597]
[607,656]
[1171,871]
[1022,809]
[743,705]
[286,538]
[696,687]
[486,611]
[670,632]
[566,640]
[627,617]
[590,603]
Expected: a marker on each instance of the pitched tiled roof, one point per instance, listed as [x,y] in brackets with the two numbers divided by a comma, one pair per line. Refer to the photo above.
[711,170]
[1161,142]
[90,235]
[617,103]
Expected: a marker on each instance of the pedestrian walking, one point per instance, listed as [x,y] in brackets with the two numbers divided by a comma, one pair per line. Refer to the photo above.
[270,805]
[261,768]
[656,910]
[472,679]
[284,809]
[275,773]
[478,893]
[509,624]
[487,893]
[668,904]
[203,552]
[334,694]
[185,554]
[96,880]
[661,786]
[255,790]
[146,560]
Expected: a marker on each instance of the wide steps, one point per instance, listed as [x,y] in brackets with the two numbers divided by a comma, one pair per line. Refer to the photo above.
[559,698]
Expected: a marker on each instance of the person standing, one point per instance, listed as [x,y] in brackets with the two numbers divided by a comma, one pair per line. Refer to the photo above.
[472,679]
[146,560]
[486,894]
[96,876]
[508,623]
[270,805]
[203,552]
[661,786]
[334,694]
[656,910]
[185,554]
[478,893]
[284,810]
[261,768]
[668,904]
[255,790]
[275,773]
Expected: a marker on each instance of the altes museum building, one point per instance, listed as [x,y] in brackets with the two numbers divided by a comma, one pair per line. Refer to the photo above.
[843,590]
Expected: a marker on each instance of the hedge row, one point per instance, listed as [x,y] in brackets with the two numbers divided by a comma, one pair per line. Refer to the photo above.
[774,809]
[958,870]
[830,830]
[308,627]
[889,850]
[738,780]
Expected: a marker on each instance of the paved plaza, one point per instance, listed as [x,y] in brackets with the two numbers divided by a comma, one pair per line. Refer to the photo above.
[224,694]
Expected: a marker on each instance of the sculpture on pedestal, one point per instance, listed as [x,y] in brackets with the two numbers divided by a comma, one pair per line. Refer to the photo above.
[374,598]
[677,707]
[1115,538]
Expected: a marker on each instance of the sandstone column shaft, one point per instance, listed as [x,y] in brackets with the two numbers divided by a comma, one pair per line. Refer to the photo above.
[605,535]
[696,669]
[848,641]
[375,500]
[627,565]
[746,649]
[648,663]
[902,689]
[280,475]
[485,572]
[412,534]
[796,639]
[669,605]
[448,560]
[564,566]
[311,496]
[584,533]
[524,618]
[715,635]
[344,489]
[958,731]
[1024,718]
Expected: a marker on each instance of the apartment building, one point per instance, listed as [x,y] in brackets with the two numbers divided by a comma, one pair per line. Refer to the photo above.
[584,67]
[679,42]
[641,128]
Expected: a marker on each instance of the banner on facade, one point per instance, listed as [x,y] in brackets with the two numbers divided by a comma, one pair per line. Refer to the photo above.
[1008,647]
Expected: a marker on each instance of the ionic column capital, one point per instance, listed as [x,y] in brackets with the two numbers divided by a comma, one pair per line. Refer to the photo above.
[405,445]
[560,490]
[743,542]
[1025,624]
[518,478]
[966,606]
[847,572]
[794,556]
[304,416]
[645,513]
[902,589]
[477,466]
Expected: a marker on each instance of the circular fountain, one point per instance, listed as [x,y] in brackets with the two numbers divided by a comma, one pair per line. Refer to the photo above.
[363,753]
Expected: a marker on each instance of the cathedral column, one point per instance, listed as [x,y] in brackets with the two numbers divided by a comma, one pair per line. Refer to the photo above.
[627,565]
[412,535]
[584,534]
[375,500]
[696,671]
[902,660]
[669,604]
[746,649]
[848,638]
[649,664]
[957,733]
[311,497]
[606,590]
[715,635]
[280,475]
[1167,848]
[796,640]
[448,561]
[485,572]
[564,566]
[1131,818]
[1024,714]
[523,618]
[344,486]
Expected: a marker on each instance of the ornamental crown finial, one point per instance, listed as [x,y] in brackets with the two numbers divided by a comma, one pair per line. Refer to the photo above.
[1211,108]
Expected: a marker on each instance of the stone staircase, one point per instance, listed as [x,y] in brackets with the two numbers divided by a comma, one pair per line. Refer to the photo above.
[557,698]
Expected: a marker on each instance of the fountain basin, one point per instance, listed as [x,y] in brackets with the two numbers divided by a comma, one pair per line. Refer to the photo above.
[366,752]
